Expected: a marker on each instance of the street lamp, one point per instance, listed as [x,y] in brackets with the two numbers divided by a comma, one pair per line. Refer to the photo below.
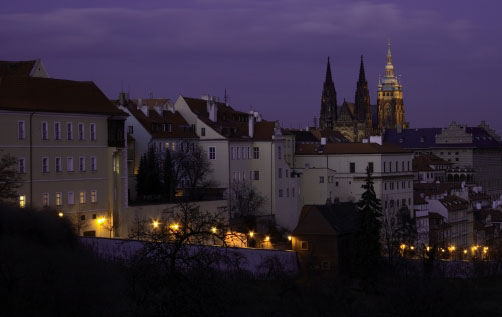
[101,220]
[60,214]
[214,230]
[267,238]
[155,224]
[251,234]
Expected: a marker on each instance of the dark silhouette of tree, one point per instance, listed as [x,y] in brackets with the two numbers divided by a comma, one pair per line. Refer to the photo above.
[367,237]
[148,180]
[245,204]
[168,183]
[10,179]
[141,177]
[197,169]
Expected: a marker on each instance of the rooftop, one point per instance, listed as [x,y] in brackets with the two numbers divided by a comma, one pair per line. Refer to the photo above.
[348,148]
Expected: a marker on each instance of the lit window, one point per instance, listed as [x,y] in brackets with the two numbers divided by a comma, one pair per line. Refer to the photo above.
[45,199]
[93,132]
[94,196]
[45,130]
[45,165]
[173,146]
[81,164]
[59,199]
[57,130]
[22,166]
[57,162]
[212,153]
[22,201]
[82,197]
[69,131]
[69,164]
[166,146]
[20,130]
[71,199]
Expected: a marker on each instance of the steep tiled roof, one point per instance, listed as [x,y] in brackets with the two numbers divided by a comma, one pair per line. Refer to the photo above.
[231,123]
[16,68]
[422,163]
[334,219]
[454,203]
[348,148]
[157,124]
[54,95]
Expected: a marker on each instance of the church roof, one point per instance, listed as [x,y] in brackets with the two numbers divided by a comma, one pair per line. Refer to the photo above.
[348,148]
[426,138]
[16,68]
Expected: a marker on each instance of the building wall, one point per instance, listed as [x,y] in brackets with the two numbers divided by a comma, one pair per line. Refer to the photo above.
[111,191]
[347,185]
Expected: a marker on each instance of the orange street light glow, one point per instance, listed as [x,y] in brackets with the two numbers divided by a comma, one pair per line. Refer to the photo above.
[60,214]
[101,220]
[155,224]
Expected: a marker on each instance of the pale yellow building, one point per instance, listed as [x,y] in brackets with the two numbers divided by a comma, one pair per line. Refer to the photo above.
[69,142]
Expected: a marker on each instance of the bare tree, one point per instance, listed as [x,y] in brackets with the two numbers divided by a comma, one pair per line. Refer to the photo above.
[179,237]
[78,222]
[245,204]
[10,179]
[197,168]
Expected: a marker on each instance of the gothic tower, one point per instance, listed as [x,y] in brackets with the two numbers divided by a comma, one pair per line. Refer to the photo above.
[362,107]
[390,98]
[328,103]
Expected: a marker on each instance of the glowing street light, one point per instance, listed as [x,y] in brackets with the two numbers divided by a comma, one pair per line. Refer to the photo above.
[290,237]
[101,220]
[465,251]
[60,214]
[267,238]
[214,230]
[428,248]
[251,234]
[155,224]
[175,226]
[403,246]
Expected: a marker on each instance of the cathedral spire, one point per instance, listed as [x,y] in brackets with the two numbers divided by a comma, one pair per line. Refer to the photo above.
[389,53]
[328,79]
[362,75]
[389,68]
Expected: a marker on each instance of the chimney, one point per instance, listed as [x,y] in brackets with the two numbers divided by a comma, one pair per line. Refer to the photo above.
[212,109]
[122,98]
[251,124]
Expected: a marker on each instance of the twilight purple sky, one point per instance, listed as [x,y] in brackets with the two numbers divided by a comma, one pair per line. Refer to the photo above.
[271,55]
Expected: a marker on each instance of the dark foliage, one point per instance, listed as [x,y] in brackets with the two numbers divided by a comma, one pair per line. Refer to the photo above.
[10,180]
[367,237]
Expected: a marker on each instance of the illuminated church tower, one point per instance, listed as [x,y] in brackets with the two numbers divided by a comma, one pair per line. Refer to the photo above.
[390,98]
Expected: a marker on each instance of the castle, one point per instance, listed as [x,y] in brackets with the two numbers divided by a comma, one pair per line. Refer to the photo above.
[359,120]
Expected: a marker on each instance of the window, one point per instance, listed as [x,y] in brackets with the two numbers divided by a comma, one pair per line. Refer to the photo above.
[287,173]
[22,201]
[321,179]
[81,164]
[166,146]
[58,167]
[94,165]
[69,131]
[212,153]
[384,166]
[243,152]
[385,186]
[397,167]
[69,164]
[256,175]
[94,196]
[280,192]
[279,153]
[304,245]
[130,129]
[203,131]
[403,202]
[93,132]
[82,217]
[57,130]
[336,184]
[81,135]
[287,192]
[20,130]
[45,199]
[233,154]
[256,153]
[45,130]
[173,146]
[392,204]
[402,166]
[249,152]
[22,165]
[45,164]
[71,200]
[352,167]
[408,166]
[59,199]
[280,172]
[82,197]
[370,166]
[169,127]
[237,176]
[238,153]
